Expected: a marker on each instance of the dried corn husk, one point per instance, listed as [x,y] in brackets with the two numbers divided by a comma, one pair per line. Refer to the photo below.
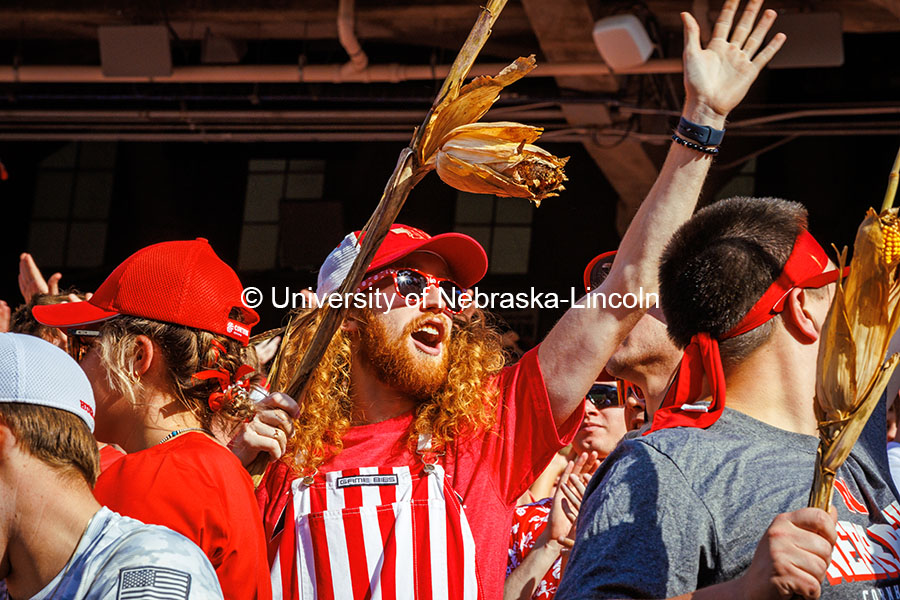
[467,105]
[855,337]
[499,158]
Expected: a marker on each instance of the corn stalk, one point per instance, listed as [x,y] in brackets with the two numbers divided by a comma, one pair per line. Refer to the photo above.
[852,369]
[407,173]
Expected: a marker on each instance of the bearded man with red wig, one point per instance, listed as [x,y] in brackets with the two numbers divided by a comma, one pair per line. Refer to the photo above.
[413,442]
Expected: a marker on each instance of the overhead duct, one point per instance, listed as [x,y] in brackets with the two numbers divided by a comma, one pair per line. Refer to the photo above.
[310,73]
[347,36]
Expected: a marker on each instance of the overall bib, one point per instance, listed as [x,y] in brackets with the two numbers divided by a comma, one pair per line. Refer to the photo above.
[376,532]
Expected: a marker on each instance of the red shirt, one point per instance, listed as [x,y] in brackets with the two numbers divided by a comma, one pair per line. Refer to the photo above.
[489,471]
[108,455]
[197,487]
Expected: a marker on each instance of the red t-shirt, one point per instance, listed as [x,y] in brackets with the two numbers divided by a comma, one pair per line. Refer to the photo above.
[489,470]
[108,455]
[197,487]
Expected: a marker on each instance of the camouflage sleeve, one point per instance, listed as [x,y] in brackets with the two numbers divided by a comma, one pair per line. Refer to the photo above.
[155,562]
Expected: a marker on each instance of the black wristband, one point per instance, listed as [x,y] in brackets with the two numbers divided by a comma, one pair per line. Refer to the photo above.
[702,134]
[711,150]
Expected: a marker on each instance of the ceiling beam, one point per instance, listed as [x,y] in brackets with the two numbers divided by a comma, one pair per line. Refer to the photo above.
[563,29]
[257,20]
[857,16]
[893,6]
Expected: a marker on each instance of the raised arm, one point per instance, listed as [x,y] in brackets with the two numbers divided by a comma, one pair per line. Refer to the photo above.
[716,79]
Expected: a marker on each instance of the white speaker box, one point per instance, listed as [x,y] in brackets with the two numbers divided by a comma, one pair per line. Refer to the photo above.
[622,41]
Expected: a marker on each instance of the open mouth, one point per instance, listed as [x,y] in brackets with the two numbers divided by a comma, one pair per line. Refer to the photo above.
[429,337]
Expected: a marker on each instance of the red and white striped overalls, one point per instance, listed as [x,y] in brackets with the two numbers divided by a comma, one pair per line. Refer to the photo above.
[374,532]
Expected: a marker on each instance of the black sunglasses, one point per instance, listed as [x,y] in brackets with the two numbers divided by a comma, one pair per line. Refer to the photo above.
[603,395]
[80,341]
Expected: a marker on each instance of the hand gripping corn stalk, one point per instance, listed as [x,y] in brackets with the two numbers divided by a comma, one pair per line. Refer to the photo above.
[852,370]
[486,158]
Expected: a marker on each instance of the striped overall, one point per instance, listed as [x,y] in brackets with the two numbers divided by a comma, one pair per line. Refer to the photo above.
[379,533]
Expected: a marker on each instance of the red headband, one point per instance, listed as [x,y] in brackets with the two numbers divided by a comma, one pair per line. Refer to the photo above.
[803,269]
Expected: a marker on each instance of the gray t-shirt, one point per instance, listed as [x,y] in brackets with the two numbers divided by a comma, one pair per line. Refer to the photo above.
[684,508]
[120,558]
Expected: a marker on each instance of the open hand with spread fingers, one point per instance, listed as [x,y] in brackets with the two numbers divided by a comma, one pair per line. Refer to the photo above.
[717,78]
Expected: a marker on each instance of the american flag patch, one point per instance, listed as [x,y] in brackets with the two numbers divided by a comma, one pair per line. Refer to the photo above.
[153,582]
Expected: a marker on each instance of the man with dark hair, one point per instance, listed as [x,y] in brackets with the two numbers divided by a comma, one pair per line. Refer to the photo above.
[718,263]
[56,541]
[745,289]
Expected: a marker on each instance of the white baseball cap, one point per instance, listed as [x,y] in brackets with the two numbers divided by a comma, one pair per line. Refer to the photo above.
[33,371]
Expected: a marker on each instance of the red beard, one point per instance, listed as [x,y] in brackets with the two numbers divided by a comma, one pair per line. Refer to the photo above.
[407,371]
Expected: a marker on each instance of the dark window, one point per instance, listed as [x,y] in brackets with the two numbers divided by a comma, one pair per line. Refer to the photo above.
[501,225]
[285,214]
[72,198]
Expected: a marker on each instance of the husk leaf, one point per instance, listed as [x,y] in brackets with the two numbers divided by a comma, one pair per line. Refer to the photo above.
[472,102]
[852,370]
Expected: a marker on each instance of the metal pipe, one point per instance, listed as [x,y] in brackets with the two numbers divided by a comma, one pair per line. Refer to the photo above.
[347,36]
[310,73]
[230,116]
[816,112]
[573,135]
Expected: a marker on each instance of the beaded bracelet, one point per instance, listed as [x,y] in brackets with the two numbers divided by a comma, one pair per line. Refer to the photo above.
[704,149]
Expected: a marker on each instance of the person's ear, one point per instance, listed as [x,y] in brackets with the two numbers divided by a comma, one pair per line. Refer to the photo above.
[7,440]
[802,321]
[144,352]
[350,324]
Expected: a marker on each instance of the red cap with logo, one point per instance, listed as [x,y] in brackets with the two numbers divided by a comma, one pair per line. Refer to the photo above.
[181,282]
[464,256]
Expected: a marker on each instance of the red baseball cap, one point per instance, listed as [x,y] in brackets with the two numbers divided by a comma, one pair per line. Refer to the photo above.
[181,282]
[464,256]
[598,269]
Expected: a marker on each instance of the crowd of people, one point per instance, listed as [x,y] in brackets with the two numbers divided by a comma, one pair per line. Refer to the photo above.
[634,453]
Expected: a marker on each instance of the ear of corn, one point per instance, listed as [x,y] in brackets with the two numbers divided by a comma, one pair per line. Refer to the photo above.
[852,368]
[891,232]
[498,158]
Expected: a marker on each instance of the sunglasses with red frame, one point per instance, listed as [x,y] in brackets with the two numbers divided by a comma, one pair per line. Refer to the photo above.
[413,282]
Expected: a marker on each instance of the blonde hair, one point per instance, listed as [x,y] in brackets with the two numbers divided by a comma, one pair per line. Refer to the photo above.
[187,351]
[464,405]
